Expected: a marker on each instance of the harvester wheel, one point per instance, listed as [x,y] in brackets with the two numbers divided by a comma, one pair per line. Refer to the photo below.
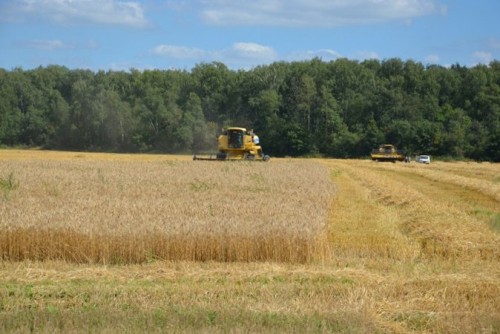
[221,156]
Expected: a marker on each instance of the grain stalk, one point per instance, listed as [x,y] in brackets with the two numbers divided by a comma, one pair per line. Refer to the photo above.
[8,184]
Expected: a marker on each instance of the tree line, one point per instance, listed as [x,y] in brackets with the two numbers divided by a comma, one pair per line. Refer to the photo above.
[340,108]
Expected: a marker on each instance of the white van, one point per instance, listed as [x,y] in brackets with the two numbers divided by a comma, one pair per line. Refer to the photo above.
[425,159]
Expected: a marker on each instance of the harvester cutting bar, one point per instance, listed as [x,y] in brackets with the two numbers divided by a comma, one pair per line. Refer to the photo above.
[208,157]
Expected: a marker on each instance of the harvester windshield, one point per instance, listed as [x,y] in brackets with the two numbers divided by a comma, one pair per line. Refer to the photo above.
[235,138]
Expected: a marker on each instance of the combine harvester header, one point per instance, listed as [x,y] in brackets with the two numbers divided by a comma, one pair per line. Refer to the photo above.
[387,152]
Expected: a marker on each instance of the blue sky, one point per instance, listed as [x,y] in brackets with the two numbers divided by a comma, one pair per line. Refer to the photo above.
[166,34]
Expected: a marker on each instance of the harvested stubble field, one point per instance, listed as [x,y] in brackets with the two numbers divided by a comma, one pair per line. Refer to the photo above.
[135,243]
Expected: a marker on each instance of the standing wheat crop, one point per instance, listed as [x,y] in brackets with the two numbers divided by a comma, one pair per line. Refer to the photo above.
[135,211]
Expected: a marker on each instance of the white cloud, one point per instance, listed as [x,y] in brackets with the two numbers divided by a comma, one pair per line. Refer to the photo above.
[127,66]
[253,51]
[323,54]
[47,45]
[365,55]
[56,44]
[113,12]
[482,57]
[313,13]
[432,59]
[179,52]
[240,54]
[247,54]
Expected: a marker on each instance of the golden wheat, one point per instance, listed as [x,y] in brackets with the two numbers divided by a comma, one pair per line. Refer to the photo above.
[131,211]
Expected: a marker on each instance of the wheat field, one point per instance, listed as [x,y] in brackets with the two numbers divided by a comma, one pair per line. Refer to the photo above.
[97,211]
[133,243]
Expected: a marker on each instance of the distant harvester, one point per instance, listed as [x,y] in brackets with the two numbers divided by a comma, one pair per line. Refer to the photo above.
[387,152]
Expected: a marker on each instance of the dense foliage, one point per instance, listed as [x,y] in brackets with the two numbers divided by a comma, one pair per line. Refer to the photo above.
[341,108]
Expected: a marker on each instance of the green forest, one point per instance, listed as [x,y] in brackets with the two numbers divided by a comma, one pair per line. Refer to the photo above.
[340,108]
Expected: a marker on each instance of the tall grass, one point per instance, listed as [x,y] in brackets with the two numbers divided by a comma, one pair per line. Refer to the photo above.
[128,212]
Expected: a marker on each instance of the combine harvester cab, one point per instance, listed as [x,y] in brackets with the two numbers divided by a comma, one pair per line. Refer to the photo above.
[236,144]
[387,152]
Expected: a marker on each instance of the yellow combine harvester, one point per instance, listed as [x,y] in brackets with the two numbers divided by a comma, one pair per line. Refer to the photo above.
[387,152]
[236,144]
